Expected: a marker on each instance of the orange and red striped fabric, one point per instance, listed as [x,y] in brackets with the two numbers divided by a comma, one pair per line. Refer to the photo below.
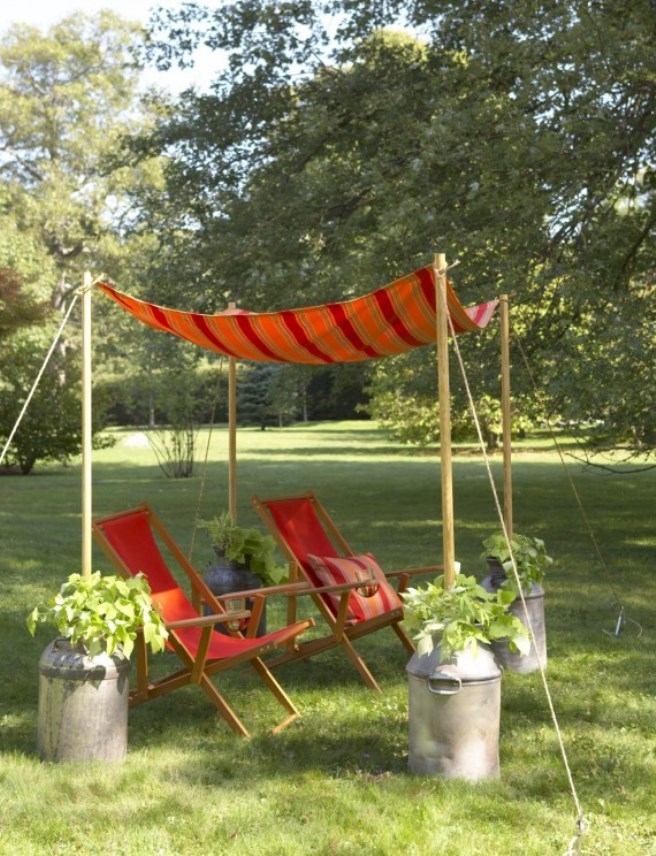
[337,570]
[391,320]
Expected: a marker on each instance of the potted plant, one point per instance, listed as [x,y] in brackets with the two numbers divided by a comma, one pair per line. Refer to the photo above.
[245,560]
[461,618]
[531,561]
[530,555]
[454,681]
[83,674]
[248,547]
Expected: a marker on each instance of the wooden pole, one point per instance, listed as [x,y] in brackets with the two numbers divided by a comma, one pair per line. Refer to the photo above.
[442,329]
[232,435]
[506,415]
[86,425]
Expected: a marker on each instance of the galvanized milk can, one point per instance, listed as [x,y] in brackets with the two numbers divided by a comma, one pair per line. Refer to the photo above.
[533,615]
[83,704]
[454,713]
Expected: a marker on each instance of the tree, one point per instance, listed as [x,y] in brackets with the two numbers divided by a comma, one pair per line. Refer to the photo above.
[18,308]
[175,395]
[255,394]
[66,99]
[51,426]
[69,101]
[26,276]
[518,137]
[68,180]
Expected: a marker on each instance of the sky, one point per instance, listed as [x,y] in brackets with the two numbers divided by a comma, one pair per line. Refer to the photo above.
[44,13]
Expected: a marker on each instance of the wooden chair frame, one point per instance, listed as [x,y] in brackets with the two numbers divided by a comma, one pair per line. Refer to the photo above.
[197,667]
[341,634]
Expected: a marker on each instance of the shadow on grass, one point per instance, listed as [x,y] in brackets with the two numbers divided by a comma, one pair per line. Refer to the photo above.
[338,452]
[348,732]
[366,739]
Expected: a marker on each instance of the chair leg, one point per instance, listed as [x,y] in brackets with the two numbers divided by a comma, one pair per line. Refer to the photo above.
[223,707]
[403,636]
[360,665]
[292,645]
[141,692]
[265,673]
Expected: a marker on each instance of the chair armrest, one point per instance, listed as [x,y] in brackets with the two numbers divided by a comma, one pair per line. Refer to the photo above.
[404,576]
[430,569]
[204,620]
[296,589]
[267,591]
[342,587]
[304,588]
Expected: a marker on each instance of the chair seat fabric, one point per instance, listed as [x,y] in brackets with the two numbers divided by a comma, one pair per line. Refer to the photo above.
[132,538]
[223,646]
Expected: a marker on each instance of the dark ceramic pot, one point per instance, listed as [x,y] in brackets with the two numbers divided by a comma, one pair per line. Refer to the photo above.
[225,576]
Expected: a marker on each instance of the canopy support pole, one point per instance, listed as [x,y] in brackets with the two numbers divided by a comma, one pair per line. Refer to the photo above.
[232,435]
[506,415]
[86,426]
[445,420]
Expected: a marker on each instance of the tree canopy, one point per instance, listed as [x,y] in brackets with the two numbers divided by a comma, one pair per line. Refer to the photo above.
[339,145]
[68,99]
[336,151]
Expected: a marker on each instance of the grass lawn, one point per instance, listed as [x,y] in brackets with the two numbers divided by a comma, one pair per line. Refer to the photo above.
[336,781]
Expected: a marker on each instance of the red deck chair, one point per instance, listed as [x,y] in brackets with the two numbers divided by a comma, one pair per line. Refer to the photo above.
[319,554]
[128,540]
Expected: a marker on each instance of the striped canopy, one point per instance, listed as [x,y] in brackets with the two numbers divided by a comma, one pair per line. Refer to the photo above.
[391,320]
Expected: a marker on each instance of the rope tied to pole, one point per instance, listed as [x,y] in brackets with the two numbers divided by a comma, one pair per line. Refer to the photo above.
[580,819]
[44,365]
[442,271]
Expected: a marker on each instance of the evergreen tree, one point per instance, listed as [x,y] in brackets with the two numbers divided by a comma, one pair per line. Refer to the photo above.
[255,394]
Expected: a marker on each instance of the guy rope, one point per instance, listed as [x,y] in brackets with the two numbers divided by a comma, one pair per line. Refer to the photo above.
[581,823]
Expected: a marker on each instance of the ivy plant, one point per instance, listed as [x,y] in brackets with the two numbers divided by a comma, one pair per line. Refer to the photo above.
[463,615]
[530,556]
[103,613]
[247,546]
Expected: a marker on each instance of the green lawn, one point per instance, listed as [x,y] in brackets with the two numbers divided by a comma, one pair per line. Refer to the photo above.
[336,781]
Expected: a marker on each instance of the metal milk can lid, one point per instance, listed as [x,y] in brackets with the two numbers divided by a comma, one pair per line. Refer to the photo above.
[474,663]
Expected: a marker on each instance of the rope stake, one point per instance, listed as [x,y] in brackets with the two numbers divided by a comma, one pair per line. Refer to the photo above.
[576,843]
[622,618]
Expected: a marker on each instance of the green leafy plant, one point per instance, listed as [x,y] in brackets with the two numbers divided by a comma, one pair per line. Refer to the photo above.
[462,615]
[530,556]
[103,613]
[247,546]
